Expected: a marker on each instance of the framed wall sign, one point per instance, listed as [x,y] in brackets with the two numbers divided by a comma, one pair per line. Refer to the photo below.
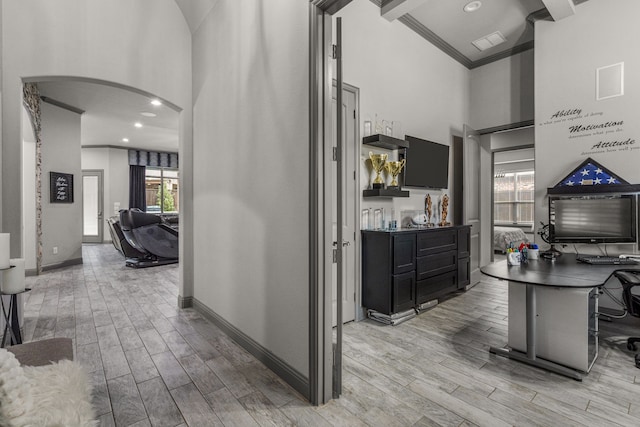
[61,187]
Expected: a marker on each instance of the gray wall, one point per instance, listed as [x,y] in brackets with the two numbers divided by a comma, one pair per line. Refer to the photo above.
[502,92]
[402,78]
[568,52]
[251,176]
[114,162]
[61,222]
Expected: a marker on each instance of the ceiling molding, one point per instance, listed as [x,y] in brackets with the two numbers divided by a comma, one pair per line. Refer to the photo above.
[434,39]
[394,9]
[445,47]
[539,15]
[504,54]
[62,105]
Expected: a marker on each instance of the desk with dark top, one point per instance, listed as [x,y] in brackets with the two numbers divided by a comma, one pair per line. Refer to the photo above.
[571,299]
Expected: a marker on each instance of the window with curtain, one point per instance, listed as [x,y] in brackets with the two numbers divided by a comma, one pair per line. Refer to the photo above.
[162,190]
[513,198]
[136,187]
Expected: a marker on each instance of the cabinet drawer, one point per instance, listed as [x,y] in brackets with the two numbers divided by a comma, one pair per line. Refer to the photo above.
[439,263]
[437,241]
[404,253]
[436,286]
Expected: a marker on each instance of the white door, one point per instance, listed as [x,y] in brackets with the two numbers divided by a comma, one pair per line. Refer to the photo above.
[92,206]
[471,211]
[350,155]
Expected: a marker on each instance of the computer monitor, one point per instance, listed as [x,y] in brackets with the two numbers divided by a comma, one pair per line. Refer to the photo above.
[592,219]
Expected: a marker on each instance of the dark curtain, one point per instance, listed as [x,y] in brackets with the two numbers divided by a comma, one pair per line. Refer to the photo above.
[137,196]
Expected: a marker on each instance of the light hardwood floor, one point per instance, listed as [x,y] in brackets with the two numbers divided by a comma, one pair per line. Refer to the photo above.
[154,364]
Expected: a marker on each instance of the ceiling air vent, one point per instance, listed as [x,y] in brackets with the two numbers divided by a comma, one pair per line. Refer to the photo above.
[491,40]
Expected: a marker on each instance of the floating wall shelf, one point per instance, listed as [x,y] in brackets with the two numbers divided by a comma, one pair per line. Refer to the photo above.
[385,192]
[385,141]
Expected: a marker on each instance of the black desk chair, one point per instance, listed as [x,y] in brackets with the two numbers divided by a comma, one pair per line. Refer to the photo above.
[629,280]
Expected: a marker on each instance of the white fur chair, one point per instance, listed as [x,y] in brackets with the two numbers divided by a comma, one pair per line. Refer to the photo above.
[54,395]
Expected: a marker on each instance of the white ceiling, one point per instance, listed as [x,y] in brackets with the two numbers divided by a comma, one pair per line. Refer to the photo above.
[110,114]
[448,20]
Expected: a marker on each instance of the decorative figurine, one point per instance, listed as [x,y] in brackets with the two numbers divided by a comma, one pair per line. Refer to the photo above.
[427,210]
[445,208]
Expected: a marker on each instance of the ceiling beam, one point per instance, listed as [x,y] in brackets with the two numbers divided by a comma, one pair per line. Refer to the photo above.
[394,9]
[560,9]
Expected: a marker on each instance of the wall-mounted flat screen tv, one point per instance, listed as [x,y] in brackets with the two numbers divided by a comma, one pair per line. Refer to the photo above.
[592,219]
[427,164]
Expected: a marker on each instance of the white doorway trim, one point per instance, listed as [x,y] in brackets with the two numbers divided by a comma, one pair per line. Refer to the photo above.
[351,207]
[98,174]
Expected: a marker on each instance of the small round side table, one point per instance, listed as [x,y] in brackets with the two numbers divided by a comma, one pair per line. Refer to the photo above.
[11,321]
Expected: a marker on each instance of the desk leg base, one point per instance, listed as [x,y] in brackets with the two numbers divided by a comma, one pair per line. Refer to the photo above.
[539,363]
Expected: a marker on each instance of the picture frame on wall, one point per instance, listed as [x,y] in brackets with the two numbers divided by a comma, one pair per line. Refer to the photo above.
[60,187]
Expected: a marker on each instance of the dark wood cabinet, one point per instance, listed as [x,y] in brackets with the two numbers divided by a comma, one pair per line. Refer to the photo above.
[404,288]
[406,268]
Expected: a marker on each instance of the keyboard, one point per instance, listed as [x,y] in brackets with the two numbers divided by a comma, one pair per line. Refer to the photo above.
[606,260]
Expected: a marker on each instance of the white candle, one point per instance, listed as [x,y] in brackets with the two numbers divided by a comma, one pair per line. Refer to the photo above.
[13,279]
[4,250]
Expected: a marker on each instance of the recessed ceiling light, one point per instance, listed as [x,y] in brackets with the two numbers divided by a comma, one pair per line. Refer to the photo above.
[148,114]
[138,124]
[156,102]
[472,6]
[125,139]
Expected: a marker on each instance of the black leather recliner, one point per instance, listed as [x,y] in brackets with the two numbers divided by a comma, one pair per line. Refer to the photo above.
[152,241]
[119,241]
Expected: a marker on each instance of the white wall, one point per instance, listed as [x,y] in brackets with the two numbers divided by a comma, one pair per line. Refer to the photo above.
[61,222]
[114,163]
[251,155]
[144,44]
[403,78]
[502,92]
[568,52]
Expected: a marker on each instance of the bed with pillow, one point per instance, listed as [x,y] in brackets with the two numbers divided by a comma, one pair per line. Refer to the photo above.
[502,236]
